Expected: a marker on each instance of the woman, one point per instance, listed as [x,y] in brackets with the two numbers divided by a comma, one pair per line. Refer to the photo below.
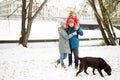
[74,42]
[64,47]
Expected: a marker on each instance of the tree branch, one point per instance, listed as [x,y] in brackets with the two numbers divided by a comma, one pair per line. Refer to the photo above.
[13,11]
[40,8]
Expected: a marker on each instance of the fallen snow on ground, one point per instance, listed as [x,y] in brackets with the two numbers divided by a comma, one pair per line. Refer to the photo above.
[36,62]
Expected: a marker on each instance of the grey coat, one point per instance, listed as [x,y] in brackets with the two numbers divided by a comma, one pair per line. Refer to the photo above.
[64,46]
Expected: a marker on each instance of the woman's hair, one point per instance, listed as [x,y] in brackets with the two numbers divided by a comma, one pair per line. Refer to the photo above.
[72,13]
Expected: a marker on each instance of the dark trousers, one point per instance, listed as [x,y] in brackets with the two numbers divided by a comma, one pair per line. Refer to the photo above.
[75,51]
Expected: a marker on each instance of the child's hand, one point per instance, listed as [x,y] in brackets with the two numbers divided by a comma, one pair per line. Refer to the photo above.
[76,28]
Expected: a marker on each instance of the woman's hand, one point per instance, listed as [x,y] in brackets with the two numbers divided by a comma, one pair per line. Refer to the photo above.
[59,29]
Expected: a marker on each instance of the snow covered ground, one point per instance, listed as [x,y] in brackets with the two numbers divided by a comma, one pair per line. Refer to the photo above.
[36,62]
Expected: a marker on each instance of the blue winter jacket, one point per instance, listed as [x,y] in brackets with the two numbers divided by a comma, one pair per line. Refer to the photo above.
[74,41]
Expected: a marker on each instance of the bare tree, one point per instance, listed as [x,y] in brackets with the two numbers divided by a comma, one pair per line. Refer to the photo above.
[104,23]
[25,32]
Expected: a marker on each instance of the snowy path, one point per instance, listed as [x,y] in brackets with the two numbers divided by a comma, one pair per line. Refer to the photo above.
[35,62]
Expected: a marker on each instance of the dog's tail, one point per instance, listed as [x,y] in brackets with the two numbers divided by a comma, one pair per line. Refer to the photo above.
[79,58]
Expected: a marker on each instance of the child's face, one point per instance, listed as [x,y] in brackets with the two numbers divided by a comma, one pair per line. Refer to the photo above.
[71,25]
[73,15]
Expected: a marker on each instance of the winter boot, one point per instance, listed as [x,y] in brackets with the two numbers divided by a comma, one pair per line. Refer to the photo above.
[56,63]
[69,65]
[63,66]
[76,67]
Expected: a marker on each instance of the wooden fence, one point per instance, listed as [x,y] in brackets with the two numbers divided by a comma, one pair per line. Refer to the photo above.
[48,40]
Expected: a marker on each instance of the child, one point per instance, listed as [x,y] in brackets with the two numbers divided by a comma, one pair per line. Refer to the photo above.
[64,47]
[72,15]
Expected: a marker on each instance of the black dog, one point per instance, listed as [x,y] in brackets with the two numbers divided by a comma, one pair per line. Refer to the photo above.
[95,63]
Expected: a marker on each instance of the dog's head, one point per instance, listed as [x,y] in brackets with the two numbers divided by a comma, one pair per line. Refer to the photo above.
[108,70]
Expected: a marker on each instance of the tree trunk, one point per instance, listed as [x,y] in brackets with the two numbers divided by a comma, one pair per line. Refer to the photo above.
[23,21]
[29,24]
[106,23]
[30,21]
[102,31]
[25,41]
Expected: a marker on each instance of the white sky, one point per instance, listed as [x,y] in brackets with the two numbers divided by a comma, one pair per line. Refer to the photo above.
[64,3]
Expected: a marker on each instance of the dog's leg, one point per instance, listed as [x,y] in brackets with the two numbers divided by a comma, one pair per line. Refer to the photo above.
[80,69]
[85,69]
[99,70]
[93,71]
